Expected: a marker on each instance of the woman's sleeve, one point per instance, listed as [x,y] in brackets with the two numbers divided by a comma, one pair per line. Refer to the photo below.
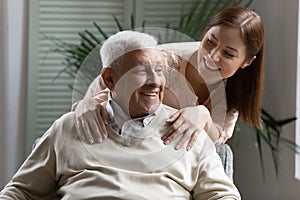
[95,87]
[97,90]
[226,131]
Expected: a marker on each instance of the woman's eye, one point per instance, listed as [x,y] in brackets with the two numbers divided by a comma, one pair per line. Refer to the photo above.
[210,42]
[227,54]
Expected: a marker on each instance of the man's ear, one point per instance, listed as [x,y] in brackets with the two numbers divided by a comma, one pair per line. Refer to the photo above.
[248,62]
[108,77]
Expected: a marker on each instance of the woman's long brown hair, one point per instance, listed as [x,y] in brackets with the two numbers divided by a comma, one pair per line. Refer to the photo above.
[244,89]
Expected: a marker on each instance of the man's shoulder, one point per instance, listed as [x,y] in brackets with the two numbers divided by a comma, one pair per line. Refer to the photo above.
[67,117]
[204,147]
[65,121]
[168,109]
[60,129]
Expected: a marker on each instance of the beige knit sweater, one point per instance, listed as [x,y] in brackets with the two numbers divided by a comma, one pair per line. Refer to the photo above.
[137,167]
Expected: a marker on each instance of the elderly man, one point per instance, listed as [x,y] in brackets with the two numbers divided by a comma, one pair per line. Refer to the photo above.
[133,163]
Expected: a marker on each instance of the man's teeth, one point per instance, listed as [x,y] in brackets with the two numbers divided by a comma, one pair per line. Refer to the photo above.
[149,93]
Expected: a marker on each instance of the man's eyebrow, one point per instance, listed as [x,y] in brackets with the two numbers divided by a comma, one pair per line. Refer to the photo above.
[148,64]
[143,63]
[160,62]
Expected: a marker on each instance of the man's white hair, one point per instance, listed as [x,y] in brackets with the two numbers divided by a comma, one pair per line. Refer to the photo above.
[123,42]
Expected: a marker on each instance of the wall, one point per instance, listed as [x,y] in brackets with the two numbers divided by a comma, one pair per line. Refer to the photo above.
[281,21]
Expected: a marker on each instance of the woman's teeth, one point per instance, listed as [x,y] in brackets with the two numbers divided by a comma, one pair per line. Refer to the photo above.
[210,66]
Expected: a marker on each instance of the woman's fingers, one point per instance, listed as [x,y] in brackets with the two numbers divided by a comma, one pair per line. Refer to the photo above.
[180,127]
[91,118]
[185,137]
[95,128]
[80,129]
[171,137]
[86,130]
[105,119]
[172,131]
[176,123]
[94,125]
[174,116]
[193,139]
[102,119]
[186,124]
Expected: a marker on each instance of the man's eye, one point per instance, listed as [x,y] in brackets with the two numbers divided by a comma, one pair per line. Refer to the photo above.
[158,69]
[141,71]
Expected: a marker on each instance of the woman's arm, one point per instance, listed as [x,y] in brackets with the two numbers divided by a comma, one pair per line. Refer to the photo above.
[190,121]
[226,129]
[94,91]
[90,116]
[210,114]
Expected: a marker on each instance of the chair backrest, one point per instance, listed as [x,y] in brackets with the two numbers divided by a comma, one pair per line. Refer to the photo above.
[226,156]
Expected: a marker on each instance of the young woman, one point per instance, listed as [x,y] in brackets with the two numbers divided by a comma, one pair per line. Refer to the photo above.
[230,58]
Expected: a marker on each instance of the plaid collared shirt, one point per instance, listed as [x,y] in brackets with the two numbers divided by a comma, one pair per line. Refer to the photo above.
[122,123]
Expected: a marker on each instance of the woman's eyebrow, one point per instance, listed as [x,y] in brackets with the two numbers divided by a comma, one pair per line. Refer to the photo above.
[212,35]
[233,49]
[229,47]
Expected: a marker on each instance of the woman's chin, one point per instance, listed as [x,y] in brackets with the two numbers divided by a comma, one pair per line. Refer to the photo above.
[210,76]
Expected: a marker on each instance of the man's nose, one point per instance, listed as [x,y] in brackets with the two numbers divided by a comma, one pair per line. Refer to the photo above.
[153,78]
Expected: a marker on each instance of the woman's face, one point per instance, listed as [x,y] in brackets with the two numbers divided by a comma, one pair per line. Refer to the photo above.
[222,53]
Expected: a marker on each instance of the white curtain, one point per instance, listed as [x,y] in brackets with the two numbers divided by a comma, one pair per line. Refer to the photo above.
[2,91]
[13,24]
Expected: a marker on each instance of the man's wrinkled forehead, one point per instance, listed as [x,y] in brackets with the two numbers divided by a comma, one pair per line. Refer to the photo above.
[147,57]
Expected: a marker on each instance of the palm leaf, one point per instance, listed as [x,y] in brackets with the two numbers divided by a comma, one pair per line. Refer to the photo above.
[286,121]
[132,22]
[96,40]
[104,35]
[88,41]
[120,28]
[259,147]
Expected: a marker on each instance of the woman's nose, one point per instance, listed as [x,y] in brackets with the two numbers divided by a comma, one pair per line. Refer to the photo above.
[215,55]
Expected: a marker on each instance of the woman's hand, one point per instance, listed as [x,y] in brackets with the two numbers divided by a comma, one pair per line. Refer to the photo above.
[91,119]
[189,122]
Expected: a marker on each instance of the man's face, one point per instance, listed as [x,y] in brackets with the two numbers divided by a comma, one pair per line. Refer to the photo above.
[140,82]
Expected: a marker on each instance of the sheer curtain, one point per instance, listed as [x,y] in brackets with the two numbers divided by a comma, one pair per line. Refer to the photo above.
[12,86]
[2,90]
